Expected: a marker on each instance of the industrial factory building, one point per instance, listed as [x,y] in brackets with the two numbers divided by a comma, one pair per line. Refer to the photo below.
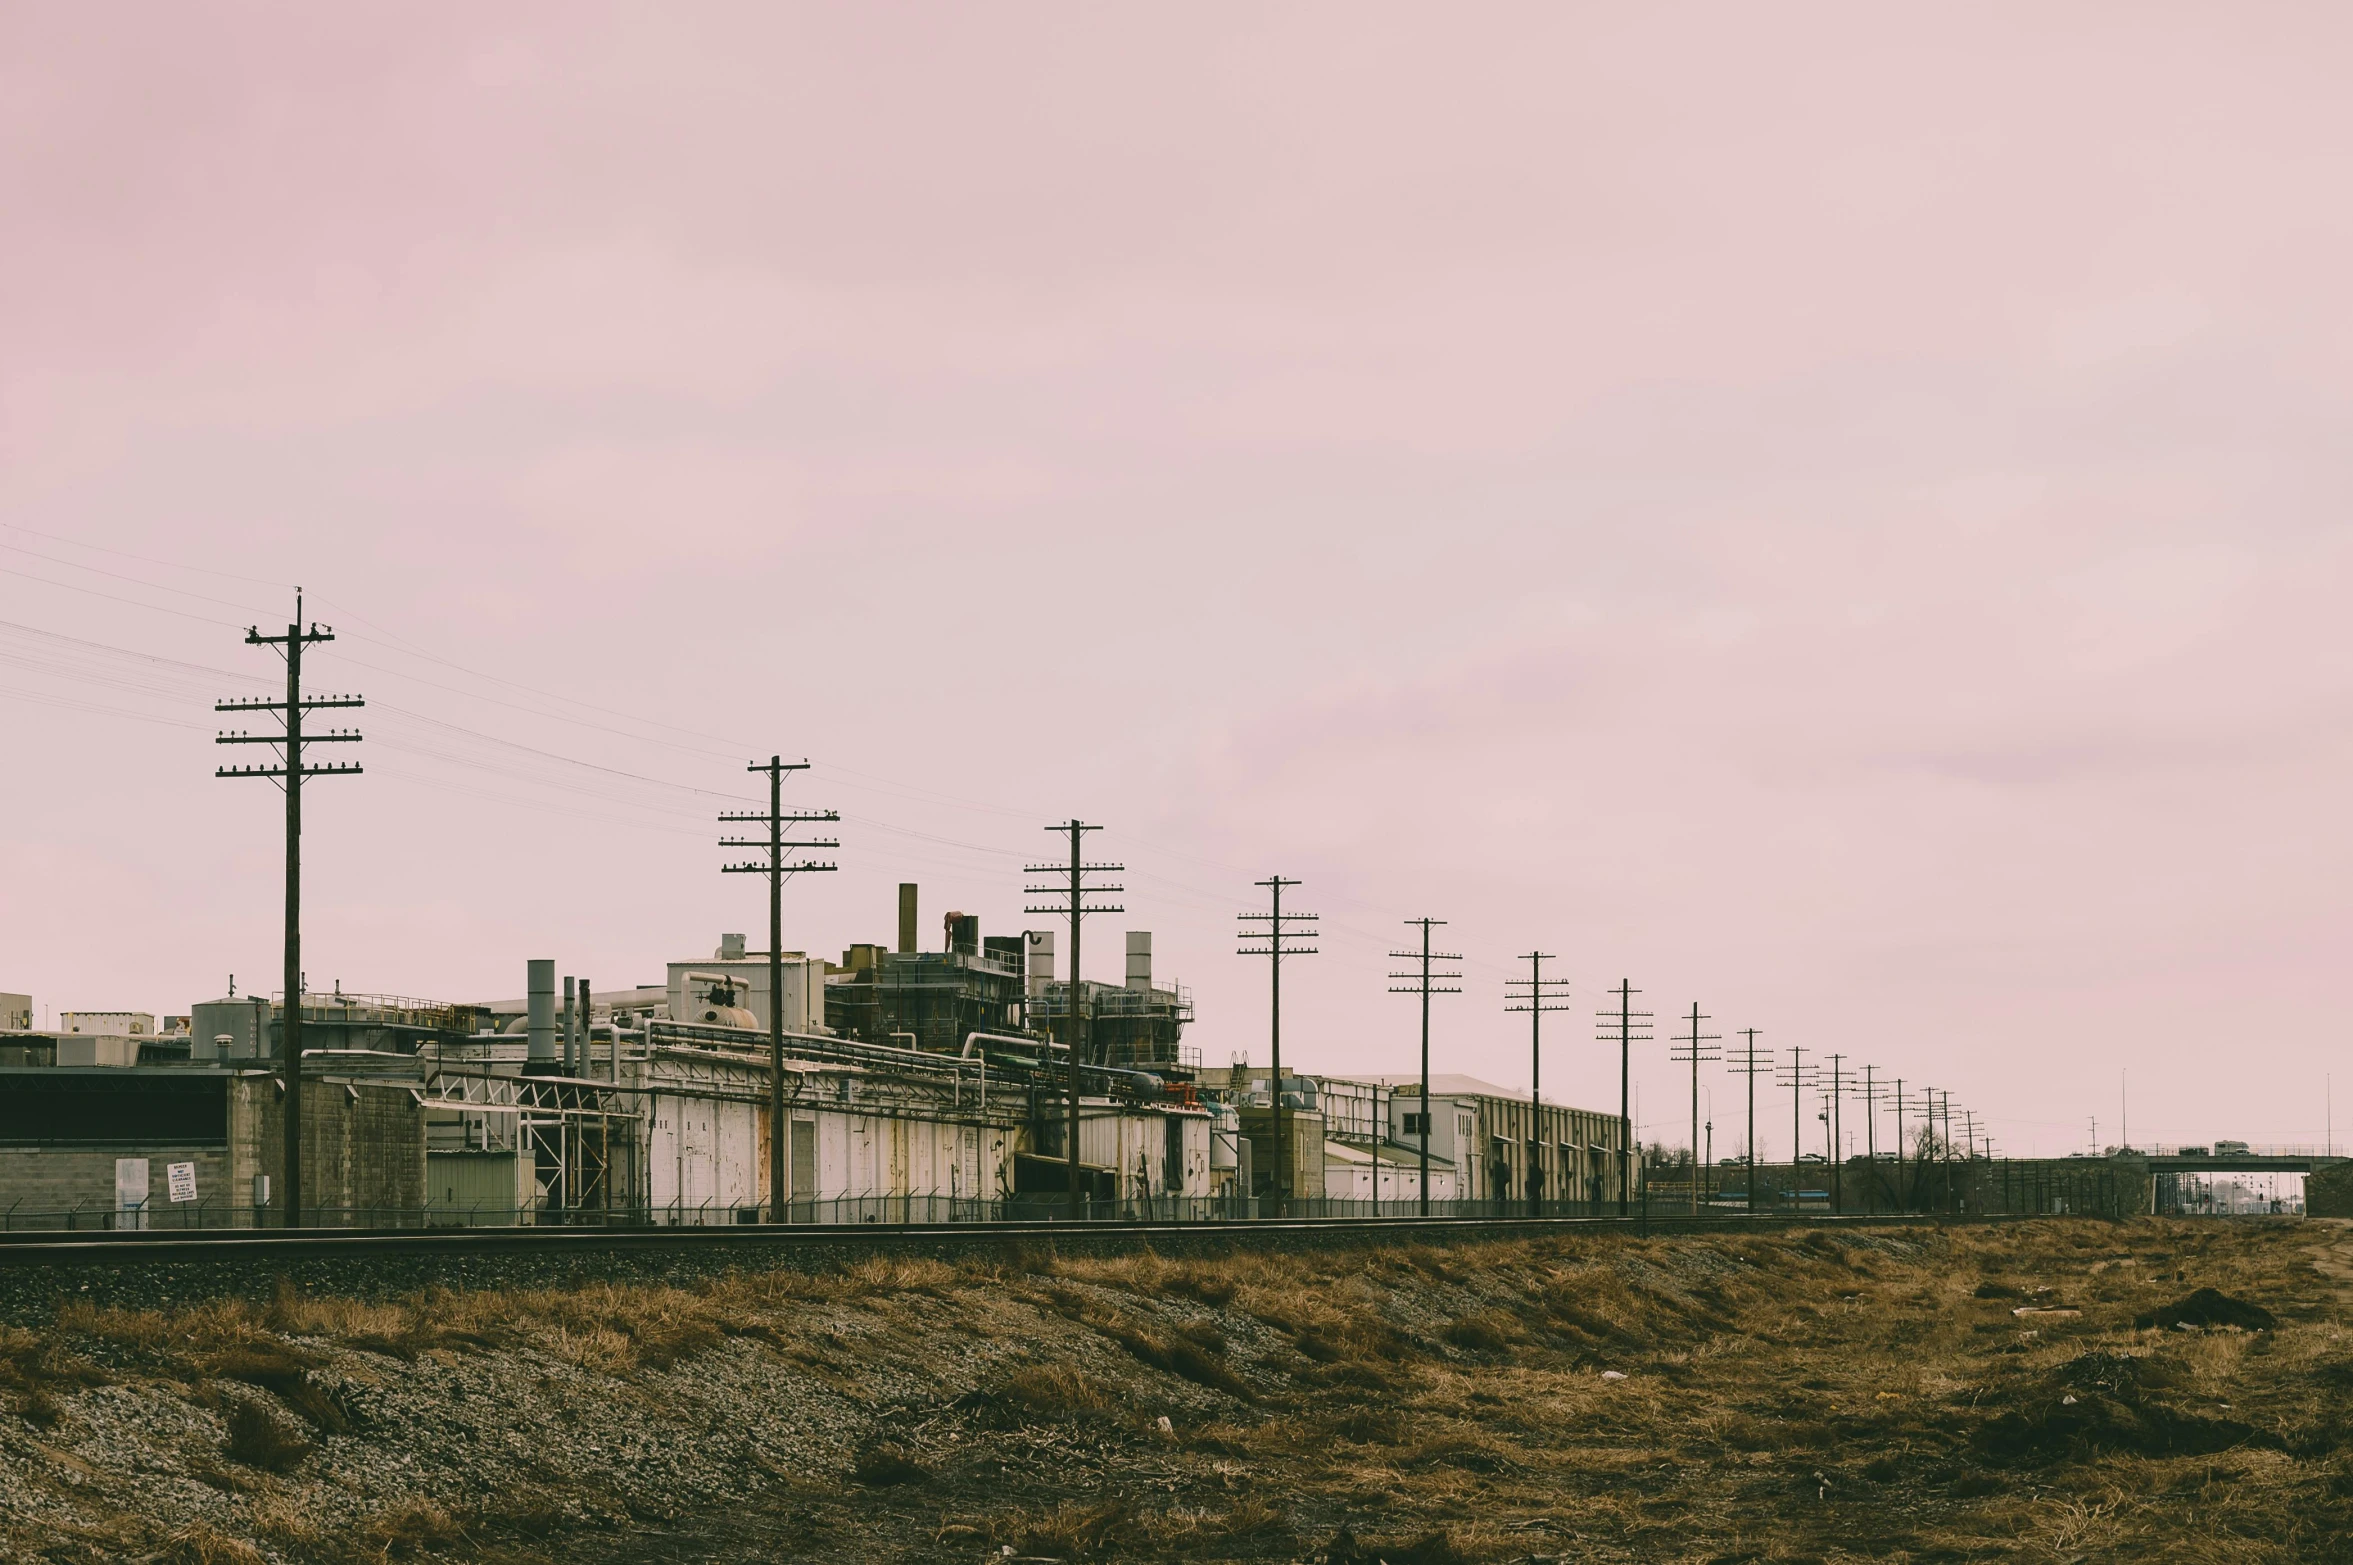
[916,1085]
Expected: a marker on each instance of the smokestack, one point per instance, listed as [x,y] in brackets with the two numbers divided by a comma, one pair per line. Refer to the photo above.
[1139,959]
[540,1009]
[571,1032]
[1038,960]
[907,916]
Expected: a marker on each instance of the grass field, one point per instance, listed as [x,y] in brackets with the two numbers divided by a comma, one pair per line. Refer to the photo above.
[1869,1395]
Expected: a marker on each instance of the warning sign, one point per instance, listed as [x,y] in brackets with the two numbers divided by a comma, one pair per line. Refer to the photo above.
[182,1177]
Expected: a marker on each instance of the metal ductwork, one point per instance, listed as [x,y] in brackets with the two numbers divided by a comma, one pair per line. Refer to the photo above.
[907,916]
[540,1009]
[1139,959]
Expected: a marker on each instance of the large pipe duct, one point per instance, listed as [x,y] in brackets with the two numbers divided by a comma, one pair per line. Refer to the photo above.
[907,916]
[540,1010]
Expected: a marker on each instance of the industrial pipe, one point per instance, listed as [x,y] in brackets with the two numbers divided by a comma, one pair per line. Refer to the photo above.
[540,1010]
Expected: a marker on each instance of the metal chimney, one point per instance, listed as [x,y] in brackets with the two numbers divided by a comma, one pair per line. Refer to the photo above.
[540,1009]
[907,916]
[571,1032]
[1139,959]
[1038,960]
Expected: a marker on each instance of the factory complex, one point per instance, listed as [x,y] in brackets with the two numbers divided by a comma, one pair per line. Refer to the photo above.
[915,1086]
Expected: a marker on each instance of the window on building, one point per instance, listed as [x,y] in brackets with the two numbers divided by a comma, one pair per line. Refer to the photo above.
[1415,1124]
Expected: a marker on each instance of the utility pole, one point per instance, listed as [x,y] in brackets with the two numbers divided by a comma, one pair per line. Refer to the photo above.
[1871,1136]
[1074,892]
[1427,983]
[1838,1086]
[1797,1076]
[291,769]
[1752,1062]
[1535,995]
[1632,1027]
[1902,1195]
[776,869]
[1694,1048]
[1275,931]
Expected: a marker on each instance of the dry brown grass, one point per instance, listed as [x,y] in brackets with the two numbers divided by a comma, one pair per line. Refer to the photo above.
[197,1544]
[1849,1396]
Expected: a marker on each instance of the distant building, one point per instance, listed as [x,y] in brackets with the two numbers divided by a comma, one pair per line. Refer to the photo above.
[16,1013]
[112,1024]
[1488,1135]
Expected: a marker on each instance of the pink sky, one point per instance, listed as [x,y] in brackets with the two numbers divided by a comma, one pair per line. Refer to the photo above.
[1837,513]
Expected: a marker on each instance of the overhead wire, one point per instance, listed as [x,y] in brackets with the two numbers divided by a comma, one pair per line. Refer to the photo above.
[529,765]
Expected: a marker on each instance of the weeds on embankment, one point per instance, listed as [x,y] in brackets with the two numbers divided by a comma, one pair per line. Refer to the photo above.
[1894,1394]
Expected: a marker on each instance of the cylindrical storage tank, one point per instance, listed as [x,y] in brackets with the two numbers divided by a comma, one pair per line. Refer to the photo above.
[233,1018]
[1225,1135]
[539,1016]
[964,933]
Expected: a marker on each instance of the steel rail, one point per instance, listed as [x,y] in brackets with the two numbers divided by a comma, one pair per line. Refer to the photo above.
[37,1247]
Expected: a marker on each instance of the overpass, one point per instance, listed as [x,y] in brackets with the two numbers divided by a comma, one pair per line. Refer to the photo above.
[2241,1162]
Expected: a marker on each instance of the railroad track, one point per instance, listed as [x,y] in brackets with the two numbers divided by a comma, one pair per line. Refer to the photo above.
[51,1248]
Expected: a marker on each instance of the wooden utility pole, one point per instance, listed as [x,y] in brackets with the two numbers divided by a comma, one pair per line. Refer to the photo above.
[1536,994]
[1871,1135]
[1797,1076]
[1279,930]
[1074,892]
[1838,1086]
[776,869]
[289,773]
[1426,983]
[1626,1027]
[1752,1062]
[1694,1048]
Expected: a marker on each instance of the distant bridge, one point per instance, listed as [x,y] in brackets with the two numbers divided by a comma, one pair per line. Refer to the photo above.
[2241,1162]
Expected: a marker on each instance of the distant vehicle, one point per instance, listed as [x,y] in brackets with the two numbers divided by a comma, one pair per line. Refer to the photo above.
[2191,1151]
[1809,1157]
[2231,1149]
[1732,1162]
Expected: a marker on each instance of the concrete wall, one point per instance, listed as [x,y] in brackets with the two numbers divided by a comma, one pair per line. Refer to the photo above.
[363,1147]
[2328,1192]
[38,1183]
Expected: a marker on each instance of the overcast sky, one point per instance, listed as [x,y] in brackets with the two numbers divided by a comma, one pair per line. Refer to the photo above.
[1837,514]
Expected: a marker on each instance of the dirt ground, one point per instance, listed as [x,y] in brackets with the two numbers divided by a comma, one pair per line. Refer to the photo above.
[2053,1391]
